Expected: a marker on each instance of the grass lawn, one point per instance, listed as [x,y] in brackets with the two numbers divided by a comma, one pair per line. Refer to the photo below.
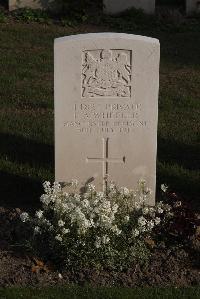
[99,293]
[26,105]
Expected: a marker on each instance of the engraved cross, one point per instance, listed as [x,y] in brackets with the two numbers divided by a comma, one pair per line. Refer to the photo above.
[105,160]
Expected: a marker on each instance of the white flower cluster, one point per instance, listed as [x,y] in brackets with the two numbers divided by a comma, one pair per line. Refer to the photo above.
[101,241]
[99,217]
[150,216]
[24,217]
[86,211]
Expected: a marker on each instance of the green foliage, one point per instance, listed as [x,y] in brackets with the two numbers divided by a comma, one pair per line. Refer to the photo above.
[3,17]
[74,20]
[70,6]
[129,20]
[73,12]
[31,15]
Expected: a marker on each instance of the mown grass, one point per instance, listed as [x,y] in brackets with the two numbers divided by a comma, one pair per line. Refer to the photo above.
[99,293]
[26,104]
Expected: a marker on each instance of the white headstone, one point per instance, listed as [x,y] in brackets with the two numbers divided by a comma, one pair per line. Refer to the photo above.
[192,6]
[106,97]
[117,6]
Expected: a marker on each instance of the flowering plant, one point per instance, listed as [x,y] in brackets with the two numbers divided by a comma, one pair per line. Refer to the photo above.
[99,229]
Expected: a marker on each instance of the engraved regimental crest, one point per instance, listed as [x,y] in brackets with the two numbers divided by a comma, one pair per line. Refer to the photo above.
[106,73]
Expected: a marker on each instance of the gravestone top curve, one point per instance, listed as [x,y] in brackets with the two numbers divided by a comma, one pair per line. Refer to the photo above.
[85,36]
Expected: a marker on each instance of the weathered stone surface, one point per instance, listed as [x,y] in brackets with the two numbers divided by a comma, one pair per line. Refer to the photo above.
[106,94]
[117,6]
[192,6]
[34,4]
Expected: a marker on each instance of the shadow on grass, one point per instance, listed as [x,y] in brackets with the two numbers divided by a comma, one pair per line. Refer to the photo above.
[178,167]
[18,189]
[22,150]
[185,155]
[19,192]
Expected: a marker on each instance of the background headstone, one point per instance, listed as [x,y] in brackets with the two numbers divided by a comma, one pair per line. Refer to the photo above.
[192,6]
[106,97]
[117,6]
[34,4]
